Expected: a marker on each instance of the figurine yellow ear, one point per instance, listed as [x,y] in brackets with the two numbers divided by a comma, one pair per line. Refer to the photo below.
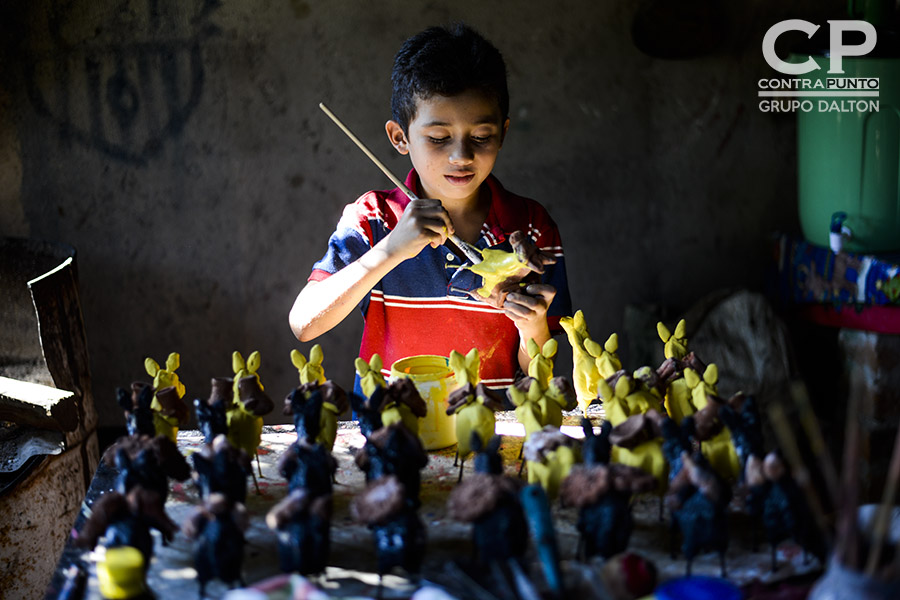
[624,386]
[681,330]
[237,362]
[612,343]
[691,377]
[663,332]
[711,374]
[173,361]
[532,348]
[151,366]
[466,368]
[549,349]
[515,395]
[253,362]
[316,355]
[297,359]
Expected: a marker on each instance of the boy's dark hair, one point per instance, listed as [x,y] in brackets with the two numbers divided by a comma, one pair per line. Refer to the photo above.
[446,61]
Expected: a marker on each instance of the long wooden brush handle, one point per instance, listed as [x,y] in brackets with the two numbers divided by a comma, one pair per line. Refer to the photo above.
[467,249]
[885,509]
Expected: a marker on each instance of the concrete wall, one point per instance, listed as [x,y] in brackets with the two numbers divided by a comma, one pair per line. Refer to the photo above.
[178,146]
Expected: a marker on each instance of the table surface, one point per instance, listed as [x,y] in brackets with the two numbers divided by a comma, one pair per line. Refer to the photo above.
[352,555]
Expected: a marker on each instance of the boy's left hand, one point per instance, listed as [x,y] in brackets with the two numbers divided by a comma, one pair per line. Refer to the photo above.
[528,308]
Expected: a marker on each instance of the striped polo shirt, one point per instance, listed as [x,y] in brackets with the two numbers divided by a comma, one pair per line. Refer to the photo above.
[413,309]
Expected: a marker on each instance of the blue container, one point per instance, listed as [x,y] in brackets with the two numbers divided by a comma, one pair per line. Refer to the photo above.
[698,588]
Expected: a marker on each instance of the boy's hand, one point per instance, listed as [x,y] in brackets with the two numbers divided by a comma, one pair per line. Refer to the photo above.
[425,221]
[528,308]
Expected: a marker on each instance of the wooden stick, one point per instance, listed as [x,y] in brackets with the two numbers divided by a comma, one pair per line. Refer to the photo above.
[471,252]
[810,424]
[849,547]
[883,515]
[800,473]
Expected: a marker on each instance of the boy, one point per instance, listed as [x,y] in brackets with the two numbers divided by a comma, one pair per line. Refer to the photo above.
[393,257]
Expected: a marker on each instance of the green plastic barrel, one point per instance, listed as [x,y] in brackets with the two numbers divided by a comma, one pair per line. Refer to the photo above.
[850,161]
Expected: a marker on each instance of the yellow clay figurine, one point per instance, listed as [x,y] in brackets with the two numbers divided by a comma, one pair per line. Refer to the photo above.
[244,427]
[621,403]
[370,375]
[678,395]
[310,370]
[550,455]
[541,365]
[528,412]
[496,267]
[719,449]
[558,396]
[472,403]
[584,372]
[675,345]
[166,425]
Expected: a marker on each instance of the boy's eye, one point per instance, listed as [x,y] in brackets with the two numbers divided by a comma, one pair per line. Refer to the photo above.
[436,140]
[481,139]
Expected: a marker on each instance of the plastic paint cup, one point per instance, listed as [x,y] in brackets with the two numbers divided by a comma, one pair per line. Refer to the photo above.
[434,380]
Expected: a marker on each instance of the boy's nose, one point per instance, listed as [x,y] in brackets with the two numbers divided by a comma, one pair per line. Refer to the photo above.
[461,153]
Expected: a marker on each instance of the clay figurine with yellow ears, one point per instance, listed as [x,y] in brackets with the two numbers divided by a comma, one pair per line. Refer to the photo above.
[621,406]
[541,365]
[250,403]
[334,399]
[584,371]
[675,348]
[370,375]
[310,370]
[524,395]
[472,403]
[718,448]
[169,410]
[550,455]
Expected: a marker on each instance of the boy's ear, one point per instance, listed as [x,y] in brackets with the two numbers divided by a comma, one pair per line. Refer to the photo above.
[397,137]
[503,132]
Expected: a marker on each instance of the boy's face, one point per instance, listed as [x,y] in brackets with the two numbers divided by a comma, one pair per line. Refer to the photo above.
[453,142]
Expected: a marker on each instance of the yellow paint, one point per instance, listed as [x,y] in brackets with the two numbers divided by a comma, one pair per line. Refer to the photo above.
[434,381]
[244,428]
[675,345]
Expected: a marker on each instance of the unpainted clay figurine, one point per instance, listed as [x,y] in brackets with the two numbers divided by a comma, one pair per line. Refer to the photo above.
[504,272]
[136,403]
[306,463]
[698,499]
[249,404]
[602,493]
[310,371]
[220,468]
[584,373]
[169,409]
[490,501]
[550,455]
[212,414]
[147,462]
[302,522]
[217,530]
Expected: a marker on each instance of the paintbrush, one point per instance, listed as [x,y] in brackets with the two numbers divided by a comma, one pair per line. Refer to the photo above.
[471,252]
[848,548]
[810,424]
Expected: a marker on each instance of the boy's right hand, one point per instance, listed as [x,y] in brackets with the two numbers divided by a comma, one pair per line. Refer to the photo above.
[425,221]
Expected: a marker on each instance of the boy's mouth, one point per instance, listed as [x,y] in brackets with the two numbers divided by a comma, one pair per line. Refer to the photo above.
[460,179]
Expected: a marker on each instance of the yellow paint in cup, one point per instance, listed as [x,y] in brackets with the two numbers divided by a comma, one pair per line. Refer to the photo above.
[434,380]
